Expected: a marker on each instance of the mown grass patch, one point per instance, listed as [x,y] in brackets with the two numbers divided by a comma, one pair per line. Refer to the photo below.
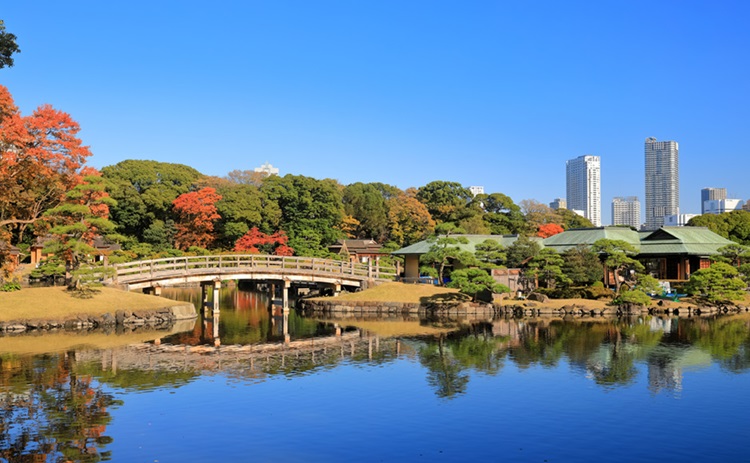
[56,303]
[399,292]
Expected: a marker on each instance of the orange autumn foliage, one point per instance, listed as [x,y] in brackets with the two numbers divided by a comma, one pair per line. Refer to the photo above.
[549,229]
[196,213]
[41,158]
[254,240]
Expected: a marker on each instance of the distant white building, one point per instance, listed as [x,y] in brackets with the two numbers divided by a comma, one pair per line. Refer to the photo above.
[678,220]
[626,211]
[720,206]
[476,190]
[267,169]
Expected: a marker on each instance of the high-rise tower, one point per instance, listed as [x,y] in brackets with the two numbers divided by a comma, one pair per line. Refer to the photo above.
[583,176]
[662,182]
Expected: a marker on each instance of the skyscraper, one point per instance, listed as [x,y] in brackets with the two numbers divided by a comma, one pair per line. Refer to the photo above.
[709,194]
[626,211]
[662,182]
[583,187]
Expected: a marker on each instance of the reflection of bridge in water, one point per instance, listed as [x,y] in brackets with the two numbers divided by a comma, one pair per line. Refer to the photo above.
[254,361]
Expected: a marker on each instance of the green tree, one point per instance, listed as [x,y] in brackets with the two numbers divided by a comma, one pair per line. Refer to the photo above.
[521,252]
[474,281]
[8,46]
[734,225]
[446,201]
[717,283]
[546,266]
[77,222]
[501,214]
[618,258]
[571,220]
[582,266]
[445,250]
[311,211]
[490,254]
[240,208]
[144,191]
[733,254]
[366,203]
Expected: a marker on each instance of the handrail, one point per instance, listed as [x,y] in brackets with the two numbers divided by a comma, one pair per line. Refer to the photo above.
[226,263]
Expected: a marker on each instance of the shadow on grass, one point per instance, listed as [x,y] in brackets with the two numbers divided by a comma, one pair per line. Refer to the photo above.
[86,293]
[444,297]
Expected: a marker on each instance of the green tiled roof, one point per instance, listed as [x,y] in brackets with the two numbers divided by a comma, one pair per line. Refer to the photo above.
[423,247]
[693,241]
[588,236]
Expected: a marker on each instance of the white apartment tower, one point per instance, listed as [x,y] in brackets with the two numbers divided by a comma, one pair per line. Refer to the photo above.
[662,182]
[583,187]
[626,211]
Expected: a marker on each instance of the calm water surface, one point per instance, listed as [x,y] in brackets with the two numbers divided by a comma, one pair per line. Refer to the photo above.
[640,389]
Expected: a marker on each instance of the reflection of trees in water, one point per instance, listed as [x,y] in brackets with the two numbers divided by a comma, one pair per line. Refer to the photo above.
[726,339]
[48,412]
[450,358]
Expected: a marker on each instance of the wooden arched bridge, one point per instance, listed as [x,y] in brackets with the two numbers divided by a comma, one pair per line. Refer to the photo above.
[154,273]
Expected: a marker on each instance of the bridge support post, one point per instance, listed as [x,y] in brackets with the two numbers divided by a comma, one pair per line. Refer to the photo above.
[217,287]
[204,298]
[285,295]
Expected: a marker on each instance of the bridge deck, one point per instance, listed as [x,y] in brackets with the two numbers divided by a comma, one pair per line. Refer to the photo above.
[246,266]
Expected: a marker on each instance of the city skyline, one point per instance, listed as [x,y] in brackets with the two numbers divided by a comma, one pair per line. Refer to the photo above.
[323,89]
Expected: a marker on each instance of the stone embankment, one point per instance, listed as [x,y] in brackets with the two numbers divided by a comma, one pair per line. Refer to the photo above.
[518,309]
[120,318]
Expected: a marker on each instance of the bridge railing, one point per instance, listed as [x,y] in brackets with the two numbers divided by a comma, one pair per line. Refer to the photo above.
[230,262]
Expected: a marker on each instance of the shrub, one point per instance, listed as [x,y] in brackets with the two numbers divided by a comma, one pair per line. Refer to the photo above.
[10,286]
[633,296]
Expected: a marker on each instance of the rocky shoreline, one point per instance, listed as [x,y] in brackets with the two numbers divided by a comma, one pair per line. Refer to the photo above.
[121,318]
[520,309]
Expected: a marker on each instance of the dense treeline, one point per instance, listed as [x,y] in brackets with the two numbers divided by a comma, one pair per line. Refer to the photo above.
[313,213]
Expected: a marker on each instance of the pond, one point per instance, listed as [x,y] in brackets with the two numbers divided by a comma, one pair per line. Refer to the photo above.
[388,389]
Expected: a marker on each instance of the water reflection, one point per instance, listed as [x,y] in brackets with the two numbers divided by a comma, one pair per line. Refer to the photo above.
[51,411]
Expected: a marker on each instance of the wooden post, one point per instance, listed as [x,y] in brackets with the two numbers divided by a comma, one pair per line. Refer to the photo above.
[217,287]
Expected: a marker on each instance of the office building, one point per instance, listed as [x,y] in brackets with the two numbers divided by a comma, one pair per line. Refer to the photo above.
[583,187]
[708,194]
[558,203]
[662,182]
[720,206]
[626,211]
[678,220]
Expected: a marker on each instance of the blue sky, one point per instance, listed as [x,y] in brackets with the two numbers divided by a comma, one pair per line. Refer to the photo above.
[498,94]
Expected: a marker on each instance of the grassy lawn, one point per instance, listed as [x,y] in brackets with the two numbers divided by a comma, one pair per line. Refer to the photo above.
[57,304]
[401,292]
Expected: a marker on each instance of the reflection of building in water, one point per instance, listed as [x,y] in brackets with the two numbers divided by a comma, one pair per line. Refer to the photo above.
[661,324]
[667,363]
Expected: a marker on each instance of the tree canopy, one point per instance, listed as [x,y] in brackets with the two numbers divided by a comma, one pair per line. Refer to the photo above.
[8,46]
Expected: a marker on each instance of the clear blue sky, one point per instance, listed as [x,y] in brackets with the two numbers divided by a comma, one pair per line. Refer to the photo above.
[498,94]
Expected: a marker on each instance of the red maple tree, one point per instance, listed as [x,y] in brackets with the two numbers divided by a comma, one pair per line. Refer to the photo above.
[41,158]
[549,229]
[255,241]
[196,213]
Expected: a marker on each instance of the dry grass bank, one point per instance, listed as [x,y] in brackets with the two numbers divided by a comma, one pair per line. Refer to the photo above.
[400,292]
[58,304]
